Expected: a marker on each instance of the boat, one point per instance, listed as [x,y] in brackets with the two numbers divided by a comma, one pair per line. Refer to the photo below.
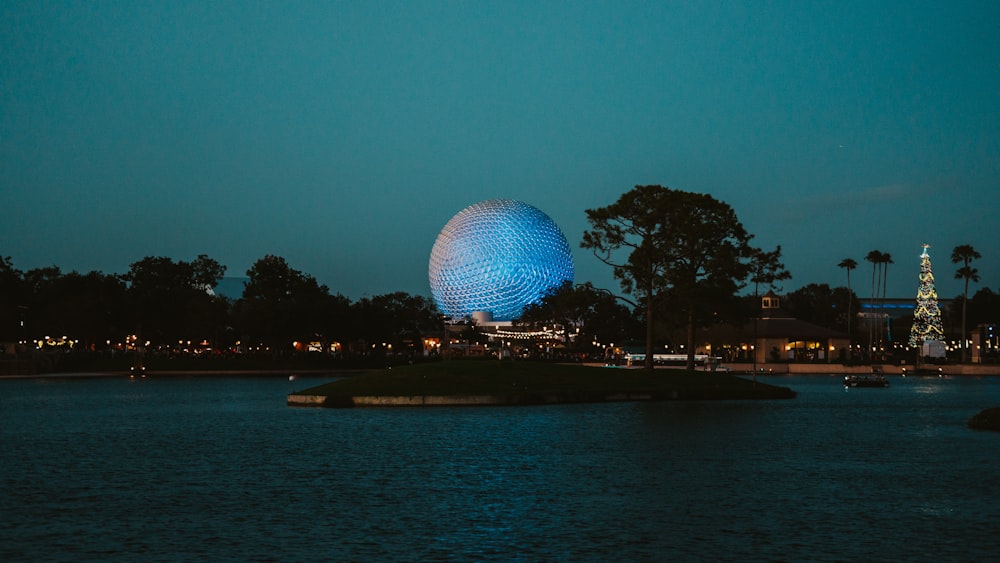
[874,380]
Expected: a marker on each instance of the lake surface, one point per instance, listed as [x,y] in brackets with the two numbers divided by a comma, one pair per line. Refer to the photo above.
[213,468]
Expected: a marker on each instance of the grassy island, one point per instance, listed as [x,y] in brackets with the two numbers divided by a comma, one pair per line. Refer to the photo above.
[989,419]
[493,382]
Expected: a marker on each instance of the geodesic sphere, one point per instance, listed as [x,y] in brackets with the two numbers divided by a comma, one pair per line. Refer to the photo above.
[497,256]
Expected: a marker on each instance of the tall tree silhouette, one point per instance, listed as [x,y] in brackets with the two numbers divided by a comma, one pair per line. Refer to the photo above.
[886,260]
[875,257]
[662,240]
[849,264]
[965,254]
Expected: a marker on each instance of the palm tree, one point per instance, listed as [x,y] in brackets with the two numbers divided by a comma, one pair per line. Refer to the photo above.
[849,264]
[965,254]
[875,257]
[886,260]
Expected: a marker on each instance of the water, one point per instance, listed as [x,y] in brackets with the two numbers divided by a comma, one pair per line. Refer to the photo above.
[219,468]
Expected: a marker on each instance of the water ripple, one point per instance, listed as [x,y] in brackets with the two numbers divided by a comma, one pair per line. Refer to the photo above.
[219,468]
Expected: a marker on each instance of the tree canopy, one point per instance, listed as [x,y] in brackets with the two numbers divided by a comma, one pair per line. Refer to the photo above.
[964,254]
[819,304]
[170,299]
[664,241]
[281,304]
[588,316]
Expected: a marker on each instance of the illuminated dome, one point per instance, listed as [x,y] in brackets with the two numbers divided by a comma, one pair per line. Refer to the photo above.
[497,256]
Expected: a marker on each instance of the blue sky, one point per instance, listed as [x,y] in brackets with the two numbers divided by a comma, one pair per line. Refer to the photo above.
[344,135]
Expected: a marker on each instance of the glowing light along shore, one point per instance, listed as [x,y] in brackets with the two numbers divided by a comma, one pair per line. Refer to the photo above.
[497,256]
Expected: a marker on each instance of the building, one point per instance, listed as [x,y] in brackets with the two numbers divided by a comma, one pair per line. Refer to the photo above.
[774,336]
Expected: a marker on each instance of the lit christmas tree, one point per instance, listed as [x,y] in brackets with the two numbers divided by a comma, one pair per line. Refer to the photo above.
[927,325]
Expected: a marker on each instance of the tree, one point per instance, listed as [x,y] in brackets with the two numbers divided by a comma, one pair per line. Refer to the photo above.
[689,244]
[985,307]
[886,260]
[965,254]
[171,300]
[849,264]
[583,311]
[819,304]
[398,319]
[766,269]
[86,307]
[13,302]
[927,325]
[609,320]
[878,260]
[563,306]
[44,301]
[281,304]
[36,306]
[206,272]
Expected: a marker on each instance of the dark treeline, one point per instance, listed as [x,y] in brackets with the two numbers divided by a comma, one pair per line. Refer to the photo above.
[169,304]
[682,258]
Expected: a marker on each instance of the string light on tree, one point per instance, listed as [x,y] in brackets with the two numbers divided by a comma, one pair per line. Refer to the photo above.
[927,327]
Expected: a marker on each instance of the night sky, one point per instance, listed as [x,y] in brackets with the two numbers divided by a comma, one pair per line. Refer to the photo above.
[344,135]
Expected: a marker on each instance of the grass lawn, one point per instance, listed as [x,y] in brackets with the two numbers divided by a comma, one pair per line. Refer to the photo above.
[533,382]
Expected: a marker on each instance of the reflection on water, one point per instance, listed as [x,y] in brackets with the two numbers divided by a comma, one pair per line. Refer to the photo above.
[221,468]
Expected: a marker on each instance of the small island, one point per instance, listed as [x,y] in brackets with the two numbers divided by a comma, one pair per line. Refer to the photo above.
[495,382]
[988,419]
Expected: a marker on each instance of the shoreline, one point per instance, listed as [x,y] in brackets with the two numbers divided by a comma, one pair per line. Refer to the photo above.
[949,370]
[189,373]
[974,370]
